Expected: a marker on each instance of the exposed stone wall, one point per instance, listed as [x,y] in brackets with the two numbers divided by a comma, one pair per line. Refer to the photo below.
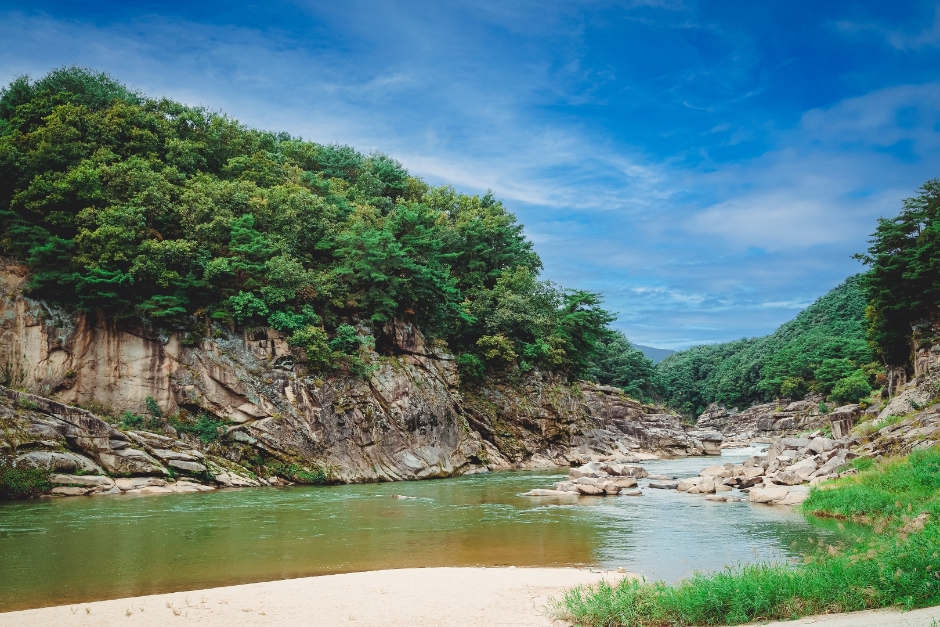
[410,419]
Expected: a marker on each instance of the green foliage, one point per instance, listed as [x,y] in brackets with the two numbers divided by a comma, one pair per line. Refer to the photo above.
[903,285]
[316,345]
[884,569]
[147,207]
[471,367]
[851,389]
[153,407]
[206,428]
[18,482]
[823,345]
[617,362]
[131,420]
[25,403]
[300,474]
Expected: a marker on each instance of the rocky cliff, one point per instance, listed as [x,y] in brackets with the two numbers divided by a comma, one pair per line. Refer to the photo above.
[409,419]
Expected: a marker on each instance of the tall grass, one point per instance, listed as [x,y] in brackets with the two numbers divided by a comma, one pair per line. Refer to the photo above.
[895,568]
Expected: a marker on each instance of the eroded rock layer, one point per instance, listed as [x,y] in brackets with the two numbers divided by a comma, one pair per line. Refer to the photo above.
[410,418]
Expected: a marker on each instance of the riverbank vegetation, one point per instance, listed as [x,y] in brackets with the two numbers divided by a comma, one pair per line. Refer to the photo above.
[897,566]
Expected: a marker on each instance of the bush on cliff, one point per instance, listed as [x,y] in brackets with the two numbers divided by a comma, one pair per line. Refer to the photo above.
[146,207]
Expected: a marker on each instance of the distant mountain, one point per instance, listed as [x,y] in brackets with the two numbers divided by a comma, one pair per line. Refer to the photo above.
[656,354]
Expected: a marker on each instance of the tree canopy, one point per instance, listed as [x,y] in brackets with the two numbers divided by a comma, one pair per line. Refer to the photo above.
[903,285]
[149,208]
[820,350]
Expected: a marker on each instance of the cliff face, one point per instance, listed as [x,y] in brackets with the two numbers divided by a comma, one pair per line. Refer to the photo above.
[409,420]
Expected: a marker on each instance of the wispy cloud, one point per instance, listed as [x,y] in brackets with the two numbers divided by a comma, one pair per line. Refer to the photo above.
[709,169]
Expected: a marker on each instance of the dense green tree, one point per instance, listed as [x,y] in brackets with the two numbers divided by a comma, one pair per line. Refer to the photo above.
[616,362]
[823,345]
[149,208]
[903,285]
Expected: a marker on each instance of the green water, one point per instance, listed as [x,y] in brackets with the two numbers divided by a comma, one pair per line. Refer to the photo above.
[57,551]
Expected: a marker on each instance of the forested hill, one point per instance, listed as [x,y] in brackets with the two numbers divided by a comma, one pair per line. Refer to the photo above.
[823,349]
[148,208]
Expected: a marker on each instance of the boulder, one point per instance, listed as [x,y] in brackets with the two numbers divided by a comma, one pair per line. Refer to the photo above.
[635,471]
[92,481]
[156,490]
[589,490]
[794,497]
[539,492]
[136,483]
[664,485]
[611,488]
[185,466]
[626,482]
[130,461]
[632,493]
[706,486]
[722,488]
[71,491]
[687,484]
[766,495]
[788,478]
[716,471]
[820,445]
[58,462]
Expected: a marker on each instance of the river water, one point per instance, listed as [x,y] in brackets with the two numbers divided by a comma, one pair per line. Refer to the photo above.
[58,551]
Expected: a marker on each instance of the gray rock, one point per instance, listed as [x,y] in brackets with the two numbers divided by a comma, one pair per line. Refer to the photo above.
[58,462]
[187,466]
[663,485]
[71,491]
[539,492]
[83,480]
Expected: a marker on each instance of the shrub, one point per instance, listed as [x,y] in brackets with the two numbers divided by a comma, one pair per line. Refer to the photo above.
[299,474]
[16,482]
[851,389]
[793,387]
[206,428]
[471,367]
[316,345]
[131,420]
[153,407]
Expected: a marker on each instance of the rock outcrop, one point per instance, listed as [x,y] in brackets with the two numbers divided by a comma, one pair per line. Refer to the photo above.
[410,418]
[767,420]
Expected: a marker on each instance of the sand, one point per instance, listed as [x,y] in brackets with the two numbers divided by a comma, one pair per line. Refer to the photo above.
[415,597]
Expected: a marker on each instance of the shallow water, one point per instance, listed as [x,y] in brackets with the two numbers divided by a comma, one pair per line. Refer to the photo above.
[56,551]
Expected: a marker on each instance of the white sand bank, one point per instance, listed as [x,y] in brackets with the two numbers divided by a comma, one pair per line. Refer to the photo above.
[416,597]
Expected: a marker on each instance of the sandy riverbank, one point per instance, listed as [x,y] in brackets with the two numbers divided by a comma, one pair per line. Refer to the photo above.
[438,597]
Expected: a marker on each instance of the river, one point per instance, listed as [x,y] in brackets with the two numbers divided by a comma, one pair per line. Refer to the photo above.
[58,551]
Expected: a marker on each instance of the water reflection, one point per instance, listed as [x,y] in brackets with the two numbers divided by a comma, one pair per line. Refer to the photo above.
[71,550]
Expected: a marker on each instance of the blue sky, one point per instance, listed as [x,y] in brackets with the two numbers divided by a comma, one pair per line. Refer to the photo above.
[709,167]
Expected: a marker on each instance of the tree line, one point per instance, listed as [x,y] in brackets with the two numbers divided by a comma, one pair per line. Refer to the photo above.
[150,209]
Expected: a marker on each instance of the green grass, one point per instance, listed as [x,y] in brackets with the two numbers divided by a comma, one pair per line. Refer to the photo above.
[897,567]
